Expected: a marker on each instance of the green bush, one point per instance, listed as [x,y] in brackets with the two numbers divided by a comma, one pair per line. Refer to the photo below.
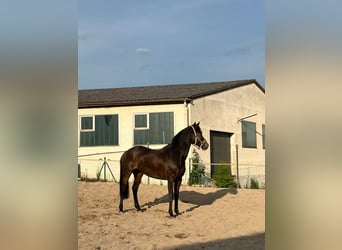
[223,178]
[98,175]
[254,184]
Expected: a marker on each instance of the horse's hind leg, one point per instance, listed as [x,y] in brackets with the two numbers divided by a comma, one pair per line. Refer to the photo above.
[124,188]
[137,180]
[123,191]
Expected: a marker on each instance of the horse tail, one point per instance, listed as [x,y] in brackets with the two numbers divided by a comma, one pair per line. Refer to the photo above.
[124,185]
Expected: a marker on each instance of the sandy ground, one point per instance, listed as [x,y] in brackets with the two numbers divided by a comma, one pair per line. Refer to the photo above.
[211,218]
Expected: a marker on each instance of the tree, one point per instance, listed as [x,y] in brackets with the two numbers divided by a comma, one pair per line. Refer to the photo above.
[197,171]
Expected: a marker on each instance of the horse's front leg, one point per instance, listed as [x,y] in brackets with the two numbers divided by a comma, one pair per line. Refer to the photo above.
[170,189]
[177,186]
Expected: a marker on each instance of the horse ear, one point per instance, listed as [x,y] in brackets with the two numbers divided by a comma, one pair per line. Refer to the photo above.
[198,123]
[194,124]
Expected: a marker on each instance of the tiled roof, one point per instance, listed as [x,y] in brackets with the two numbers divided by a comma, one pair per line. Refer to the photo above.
[177,93]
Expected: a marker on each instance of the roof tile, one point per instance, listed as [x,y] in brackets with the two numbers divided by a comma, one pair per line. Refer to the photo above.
[176,93]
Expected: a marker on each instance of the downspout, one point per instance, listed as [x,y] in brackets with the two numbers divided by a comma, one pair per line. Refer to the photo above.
[187,109]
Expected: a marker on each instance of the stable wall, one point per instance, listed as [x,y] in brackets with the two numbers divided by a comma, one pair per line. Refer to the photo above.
[221,112]
[90,165]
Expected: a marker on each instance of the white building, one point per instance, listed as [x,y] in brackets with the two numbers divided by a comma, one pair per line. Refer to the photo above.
[231,115]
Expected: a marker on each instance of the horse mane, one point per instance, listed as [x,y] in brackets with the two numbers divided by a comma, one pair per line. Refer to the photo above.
[176,138]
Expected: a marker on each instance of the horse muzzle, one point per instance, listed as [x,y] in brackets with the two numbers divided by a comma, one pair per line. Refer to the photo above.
[205,145]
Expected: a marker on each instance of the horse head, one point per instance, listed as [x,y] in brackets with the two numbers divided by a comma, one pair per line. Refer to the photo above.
[199,140]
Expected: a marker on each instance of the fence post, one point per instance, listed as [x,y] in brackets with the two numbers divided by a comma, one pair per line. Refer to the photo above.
[104,170]
[79,171]
[237,165]
[190,168]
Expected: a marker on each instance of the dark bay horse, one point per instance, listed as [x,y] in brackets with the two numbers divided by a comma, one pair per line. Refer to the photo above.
[167,163]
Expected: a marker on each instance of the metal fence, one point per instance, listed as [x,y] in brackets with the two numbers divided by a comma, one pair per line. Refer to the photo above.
[106,166]
[101,169]
[247,172]
[243,174]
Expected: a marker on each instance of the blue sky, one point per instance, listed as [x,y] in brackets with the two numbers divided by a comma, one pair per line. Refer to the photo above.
[154,42]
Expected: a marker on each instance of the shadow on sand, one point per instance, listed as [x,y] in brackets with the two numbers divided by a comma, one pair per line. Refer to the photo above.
[255,242]
[194,197]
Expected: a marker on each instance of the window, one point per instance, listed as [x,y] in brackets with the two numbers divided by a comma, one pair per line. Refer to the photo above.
[141,121]
[105,132]
[87,123]
[160,128]
[263,136]
[248,134]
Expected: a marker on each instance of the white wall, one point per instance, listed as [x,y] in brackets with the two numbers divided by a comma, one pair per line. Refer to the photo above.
[220,112]
[92,164]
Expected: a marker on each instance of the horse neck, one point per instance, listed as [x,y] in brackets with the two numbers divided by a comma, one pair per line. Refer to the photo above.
[183,145]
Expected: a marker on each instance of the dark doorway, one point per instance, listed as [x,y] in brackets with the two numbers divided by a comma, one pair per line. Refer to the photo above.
[220,148]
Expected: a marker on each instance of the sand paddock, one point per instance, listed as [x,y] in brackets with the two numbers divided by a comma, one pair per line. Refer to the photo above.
[211,218]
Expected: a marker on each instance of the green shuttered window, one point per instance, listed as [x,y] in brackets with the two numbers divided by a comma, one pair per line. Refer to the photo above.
[248,134]
[87,123]
[141,121]
[160,129]
[105,133]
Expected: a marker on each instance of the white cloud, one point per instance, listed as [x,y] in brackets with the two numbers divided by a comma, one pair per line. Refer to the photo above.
[143,51]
